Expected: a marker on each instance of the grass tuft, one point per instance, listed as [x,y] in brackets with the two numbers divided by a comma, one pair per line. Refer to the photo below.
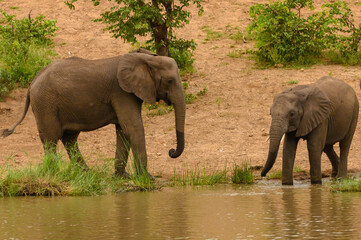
[242,174]
[197,176]
[54,177]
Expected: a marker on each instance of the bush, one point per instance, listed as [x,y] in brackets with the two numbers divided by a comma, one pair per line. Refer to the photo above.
[25,48]
[284,36]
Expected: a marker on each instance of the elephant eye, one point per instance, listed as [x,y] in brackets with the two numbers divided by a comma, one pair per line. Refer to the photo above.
[170,81]
[292,114]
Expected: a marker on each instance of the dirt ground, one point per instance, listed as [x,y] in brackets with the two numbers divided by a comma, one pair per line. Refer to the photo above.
[228,125]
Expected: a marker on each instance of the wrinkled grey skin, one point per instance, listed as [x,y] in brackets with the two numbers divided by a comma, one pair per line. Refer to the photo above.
[74,95]
[323,113]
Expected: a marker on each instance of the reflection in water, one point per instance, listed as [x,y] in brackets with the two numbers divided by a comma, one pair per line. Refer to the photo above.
[221,212]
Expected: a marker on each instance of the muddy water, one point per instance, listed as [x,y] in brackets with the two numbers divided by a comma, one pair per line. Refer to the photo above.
[265,211]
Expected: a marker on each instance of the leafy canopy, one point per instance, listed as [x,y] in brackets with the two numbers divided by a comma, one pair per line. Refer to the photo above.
[129,19]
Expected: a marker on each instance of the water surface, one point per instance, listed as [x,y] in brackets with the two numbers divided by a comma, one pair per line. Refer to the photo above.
[263,211]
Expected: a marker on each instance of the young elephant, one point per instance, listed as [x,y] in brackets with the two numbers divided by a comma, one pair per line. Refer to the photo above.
[323,113]
[74,95]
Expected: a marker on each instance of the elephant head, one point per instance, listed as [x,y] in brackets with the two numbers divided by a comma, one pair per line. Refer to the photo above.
[150,78]
[299,109]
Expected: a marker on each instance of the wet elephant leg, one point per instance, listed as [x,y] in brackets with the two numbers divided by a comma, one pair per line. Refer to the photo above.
[315,145]
[289,153]
[334,159]
[70,141]
[121,153]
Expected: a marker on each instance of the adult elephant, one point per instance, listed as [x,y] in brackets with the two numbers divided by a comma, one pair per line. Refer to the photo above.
[73,95]
[323,113]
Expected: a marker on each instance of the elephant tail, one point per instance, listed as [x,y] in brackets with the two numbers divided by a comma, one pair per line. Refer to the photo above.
[7,132]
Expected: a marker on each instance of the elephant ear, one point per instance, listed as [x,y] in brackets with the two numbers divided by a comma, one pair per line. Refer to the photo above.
[316,108]
[135,76]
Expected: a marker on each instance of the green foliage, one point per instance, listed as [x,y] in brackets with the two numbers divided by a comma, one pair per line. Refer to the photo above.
[158,19]
[25,48]
[284,36]
[346,185]
[55,177]
[242,174]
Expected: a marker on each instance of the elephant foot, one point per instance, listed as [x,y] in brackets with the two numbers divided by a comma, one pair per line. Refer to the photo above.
[122,174]
[319,182]
[287,183]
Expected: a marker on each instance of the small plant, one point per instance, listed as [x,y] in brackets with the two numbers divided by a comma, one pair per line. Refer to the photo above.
[237,36]
[211,35]
[292,82]
[275,175]
[242,174]
[237,53]
[202,92]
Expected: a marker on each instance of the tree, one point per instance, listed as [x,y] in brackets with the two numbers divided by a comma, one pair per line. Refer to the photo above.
[128,19]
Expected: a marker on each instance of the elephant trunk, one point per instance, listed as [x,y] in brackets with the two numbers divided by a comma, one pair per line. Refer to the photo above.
[276,133]
[179,111]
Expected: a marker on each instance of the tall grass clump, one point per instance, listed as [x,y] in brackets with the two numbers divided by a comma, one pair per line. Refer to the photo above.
[55,177]
[25,48]
[242,174]
[197,176]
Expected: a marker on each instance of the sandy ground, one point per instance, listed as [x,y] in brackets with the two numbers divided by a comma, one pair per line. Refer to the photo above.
[228,125]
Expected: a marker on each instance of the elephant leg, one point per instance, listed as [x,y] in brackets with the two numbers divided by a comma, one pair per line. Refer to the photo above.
[334,159]
[137,143]
[289,153]
[129,116]
[49,131]
[121,153]
[70,141]
[315,145]
[345,145]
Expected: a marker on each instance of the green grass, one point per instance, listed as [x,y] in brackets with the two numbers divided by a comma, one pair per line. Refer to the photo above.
[242,174]
[237,36]
[202,176]
[278,174]
[158,109]
[55,177]
[292,82]
[211,34]
[197,176]
[237,53]
[346,185]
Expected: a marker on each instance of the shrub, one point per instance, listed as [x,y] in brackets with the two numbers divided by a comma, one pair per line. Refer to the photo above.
[25,48]
[284,36]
